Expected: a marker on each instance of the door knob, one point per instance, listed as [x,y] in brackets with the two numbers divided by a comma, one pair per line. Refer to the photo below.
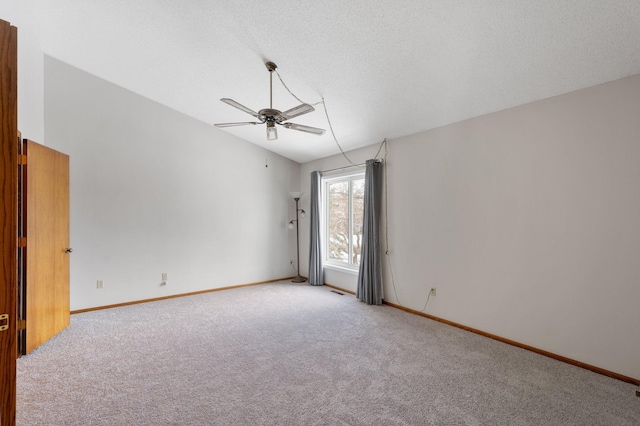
[68,250]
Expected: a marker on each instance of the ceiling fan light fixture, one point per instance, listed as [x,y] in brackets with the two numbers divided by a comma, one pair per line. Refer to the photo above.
[271,116]
[272,132]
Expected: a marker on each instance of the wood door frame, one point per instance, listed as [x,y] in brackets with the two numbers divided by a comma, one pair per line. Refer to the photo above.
[9,214]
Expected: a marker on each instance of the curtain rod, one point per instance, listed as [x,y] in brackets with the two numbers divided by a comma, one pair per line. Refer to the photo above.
[378,160]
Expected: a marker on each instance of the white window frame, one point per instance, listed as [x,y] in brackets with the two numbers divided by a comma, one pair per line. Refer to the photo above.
[331,263]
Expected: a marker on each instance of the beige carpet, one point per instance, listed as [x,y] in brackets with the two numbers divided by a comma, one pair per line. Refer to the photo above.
[293,354]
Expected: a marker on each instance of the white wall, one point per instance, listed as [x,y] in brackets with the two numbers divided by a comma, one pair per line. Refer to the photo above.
[155,191]
[30,70]
[527,221]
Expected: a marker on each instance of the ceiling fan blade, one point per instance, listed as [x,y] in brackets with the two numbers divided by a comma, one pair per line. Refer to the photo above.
[296,111]
[236,124]
[302,128]
[240,107]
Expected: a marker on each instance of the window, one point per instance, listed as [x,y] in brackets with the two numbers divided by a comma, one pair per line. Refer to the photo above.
[344,203]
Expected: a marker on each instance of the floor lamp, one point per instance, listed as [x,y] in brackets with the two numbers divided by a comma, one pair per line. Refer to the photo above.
[296,196]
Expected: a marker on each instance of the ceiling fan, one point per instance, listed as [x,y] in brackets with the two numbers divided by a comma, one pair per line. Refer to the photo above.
[272,116]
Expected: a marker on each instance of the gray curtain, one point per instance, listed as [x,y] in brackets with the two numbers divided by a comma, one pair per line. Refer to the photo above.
[369,288]
[315,246]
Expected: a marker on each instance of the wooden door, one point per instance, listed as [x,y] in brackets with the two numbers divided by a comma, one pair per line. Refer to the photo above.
[47,233]
[9,219]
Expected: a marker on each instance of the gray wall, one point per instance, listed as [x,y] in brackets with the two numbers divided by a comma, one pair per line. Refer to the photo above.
[527,221]
[155,191]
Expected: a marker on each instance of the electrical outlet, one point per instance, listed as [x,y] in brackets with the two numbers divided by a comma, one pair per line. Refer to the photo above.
[433,291]
[100,284]
[164,277]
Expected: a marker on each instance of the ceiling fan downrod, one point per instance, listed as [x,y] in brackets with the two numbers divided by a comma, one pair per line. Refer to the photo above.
[271,67]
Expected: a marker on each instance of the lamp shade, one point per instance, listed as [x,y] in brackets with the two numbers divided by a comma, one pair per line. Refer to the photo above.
[296,194]
[272,132]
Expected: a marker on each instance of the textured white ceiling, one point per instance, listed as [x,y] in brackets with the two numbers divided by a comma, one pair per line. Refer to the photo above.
[386,68]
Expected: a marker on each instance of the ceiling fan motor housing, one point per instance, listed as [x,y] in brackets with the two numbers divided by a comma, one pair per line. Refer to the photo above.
[271,114]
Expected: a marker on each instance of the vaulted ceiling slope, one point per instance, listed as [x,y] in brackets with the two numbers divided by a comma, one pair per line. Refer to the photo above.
[386,68]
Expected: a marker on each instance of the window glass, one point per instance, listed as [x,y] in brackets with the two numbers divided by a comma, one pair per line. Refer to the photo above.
[338,221]
[357,211]
[344,198]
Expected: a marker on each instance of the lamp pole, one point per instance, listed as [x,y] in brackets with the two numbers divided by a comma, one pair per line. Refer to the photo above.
[298,278]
